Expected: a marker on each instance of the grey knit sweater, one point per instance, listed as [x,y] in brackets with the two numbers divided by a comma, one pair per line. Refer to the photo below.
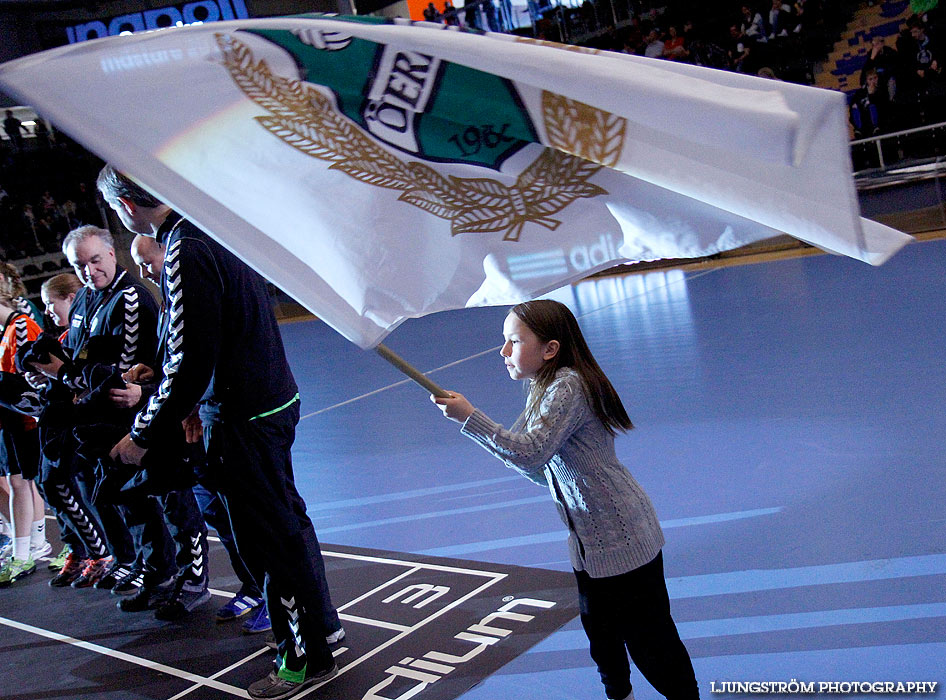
[611,522]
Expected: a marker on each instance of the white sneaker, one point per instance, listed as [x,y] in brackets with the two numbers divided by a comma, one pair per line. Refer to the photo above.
[43,550]
[336,636]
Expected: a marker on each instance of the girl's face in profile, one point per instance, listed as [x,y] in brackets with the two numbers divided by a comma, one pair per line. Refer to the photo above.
[524,352]
[57,309]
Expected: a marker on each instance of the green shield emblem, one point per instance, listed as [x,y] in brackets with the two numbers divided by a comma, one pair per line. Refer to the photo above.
[435,110]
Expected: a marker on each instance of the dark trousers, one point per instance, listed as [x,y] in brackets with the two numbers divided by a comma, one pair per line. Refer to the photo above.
[630,614]
[111,516]
[67,533]
[216,516]
[64,494]
[187,529]
[252,461]
[154,549]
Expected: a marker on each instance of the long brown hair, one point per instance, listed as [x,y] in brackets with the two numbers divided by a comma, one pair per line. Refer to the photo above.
[11,286]
[551,320]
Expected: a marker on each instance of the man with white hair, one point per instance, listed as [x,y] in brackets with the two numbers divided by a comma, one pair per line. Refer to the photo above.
[112,323]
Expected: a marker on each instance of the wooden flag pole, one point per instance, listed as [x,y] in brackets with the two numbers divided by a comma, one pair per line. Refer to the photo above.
[411,371]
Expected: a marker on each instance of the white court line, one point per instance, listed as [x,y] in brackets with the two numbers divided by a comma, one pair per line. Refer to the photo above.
[459,601]
[485,352]
[370,593]
[199,681]
[375,623]
[414,568]
[222,672]
[419,564]
[495,577]
[122,656]
[370,622]
[396,384]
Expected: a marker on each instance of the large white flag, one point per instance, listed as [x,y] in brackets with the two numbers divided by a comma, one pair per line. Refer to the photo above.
[379,171]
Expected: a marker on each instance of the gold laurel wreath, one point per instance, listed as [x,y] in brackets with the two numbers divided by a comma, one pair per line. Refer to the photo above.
[583,139]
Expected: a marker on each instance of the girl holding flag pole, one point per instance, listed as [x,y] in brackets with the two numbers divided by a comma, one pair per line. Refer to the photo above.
[564,440]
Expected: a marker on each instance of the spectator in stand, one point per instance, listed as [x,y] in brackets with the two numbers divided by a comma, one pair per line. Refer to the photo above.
[927,72]
[883,60]
[432,14]
[69,214]
[450,15]
[871,114]
[41,132]
[47,201]
[633,37]
[13,127]
[870,108]
[926,60]
[653,44]
[752,27]
[492,18]
[674,47]
[470,16]
[745,55]
[779,21]
[807,16]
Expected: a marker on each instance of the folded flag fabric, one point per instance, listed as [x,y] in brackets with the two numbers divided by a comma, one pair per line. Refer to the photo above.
[381,170]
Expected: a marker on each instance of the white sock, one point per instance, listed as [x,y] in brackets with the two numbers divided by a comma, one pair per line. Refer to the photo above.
[21,548]
[38,533]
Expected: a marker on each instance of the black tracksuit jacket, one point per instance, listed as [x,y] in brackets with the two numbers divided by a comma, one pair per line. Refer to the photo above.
[222,344]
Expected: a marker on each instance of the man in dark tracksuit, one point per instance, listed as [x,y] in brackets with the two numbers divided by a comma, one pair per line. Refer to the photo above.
[112,323]
[174,474]
[105,319]
[149,256]
[225,350]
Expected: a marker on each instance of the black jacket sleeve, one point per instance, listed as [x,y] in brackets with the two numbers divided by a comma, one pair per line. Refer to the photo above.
[194,337]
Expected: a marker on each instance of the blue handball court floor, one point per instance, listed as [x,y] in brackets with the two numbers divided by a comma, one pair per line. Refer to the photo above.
[790,431]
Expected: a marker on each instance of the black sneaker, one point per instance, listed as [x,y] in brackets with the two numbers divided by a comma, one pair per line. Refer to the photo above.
[185,598]
[115,572]
[272,687]
[148,597]
[129,583]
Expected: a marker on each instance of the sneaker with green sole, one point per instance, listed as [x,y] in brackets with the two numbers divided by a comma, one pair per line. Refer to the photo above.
[57,562]
[274,687]
[15,569]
